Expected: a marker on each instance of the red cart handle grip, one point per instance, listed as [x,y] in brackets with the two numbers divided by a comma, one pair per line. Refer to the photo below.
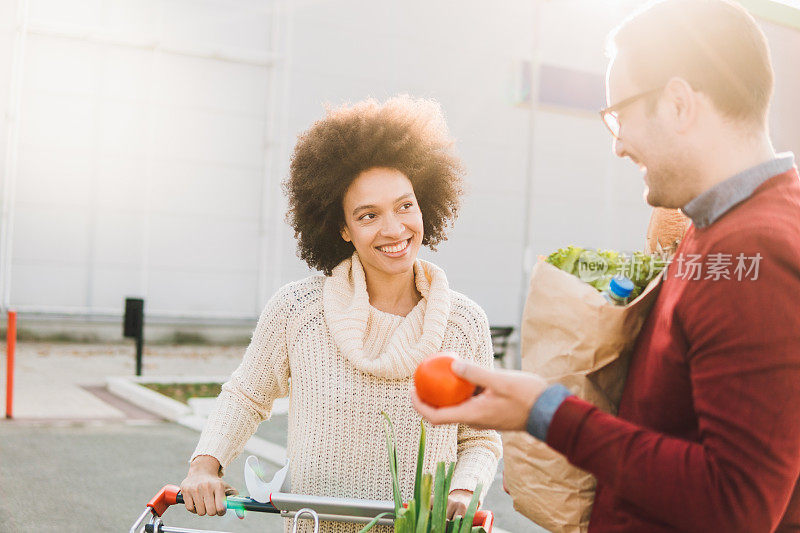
[166,496]
[485,519]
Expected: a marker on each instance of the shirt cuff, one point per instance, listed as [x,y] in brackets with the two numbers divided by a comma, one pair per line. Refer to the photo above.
[542,412]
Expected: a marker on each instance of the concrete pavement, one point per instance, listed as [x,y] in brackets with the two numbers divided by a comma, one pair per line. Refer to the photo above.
[50,380]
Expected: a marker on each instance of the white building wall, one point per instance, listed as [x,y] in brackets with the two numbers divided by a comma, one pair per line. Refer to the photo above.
[154,170]
[141,157]
[784,125]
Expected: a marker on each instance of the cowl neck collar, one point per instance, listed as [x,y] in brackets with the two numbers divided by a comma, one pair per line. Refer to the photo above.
[347,310]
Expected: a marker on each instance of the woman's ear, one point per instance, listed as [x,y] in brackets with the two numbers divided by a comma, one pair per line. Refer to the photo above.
[345,234]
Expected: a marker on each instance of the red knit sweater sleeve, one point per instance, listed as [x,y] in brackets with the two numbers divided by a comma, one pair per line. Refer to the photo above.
[743,355]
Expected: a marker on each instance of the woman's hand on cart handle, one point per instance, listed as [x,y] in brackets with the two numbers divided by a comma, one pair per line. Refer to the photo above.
[457,502]
[203,490]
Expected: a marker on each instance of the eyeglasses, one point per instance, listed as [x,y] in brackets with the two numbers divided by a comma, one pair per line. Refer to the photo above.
[610,115]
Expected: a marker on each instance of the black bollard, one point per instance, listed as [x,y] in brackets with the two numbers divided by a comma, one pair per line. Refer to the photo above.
[133,327]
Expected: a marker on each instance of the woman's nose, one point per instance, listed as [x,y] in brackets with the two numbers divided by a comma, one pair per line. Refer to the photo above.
[392,226]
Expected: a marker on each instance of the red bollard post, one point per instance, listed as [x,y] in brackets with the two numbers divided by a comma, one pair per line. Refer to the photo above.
[11,344]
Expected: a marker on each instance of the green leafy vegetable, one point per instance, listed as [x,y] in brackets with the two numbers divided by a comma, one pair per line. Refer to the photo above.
[392,449]
[469,518]
[423,516]
[416,516]
[597,267]
[375,521]
[420,460]
[439,515]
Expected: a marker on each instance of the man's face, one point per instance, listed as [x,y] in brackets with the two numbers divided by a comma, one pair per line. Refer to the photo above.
[645,137]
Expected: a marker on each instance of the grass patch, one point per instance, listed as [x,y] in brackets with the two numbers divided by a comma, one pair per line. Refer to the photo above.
[183,391]
[56,337]
[187,337]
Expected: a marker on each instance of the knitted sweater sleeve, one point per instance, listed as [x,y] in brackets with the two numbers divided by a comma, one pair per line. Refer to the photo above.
[478,450]
[246,398]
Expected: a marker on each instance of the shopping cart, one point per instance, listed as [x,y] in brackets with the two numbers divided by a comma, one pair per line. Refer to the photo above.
[273,497]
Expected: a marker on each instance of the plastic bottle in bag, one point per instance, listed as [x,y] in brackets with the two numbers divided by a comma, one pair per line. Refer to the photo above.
[619,290]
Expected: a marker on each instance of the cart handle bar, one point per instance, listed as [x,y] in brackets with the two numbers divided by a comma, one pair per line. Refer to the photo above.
[171,495]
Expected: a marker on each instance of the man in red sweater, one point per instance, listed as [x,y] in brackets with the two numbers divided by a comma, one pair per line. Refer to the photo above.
[708,432]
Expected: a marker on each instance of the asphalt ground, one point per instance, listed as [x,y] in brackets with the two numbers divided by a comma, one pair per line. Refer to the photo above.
[99,477]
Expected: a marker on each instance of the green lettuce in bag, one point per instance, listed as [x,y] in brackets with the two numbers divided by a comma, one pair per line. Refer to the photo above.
[597,267]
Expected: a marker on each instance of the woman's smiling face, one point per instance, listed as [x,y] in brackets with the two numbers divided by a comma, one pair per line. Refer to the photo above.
[383,220]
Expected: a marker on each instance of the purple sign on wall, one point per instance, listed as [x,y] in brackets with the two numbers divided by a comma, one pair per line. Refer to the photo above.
[571,89]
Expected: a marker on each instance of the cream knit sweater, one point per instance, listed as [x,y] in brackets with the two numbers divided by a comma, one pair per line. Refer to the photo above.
[348,362]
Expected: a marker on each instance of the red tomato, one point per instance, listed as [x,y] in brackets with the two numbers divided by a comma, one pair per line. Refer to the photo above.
[436,383]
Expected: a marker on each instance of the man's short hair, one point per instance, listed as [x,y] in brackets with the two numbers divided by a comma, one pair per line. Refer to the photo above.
[715,45]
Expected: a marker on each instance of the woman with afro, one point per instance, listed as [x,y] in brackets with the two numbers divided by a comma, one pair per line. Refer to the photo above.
[369,185]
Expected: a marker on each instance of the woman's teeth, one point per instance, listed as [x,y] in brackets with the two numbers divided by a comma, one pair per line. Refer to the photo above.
[395,248]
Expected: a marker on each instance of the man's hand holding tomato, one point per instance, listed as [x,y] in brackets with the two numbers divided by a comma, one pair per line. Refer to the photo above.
[448,383]
[504,402]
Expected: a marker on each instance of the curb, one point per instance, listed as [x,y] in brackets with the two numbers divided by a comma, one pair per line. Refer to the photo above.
[132,390]
[147,399]
[269,451]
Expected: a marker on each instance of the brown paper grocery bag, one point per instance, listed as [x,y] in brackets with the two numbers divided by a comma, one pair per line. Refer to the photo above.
[574,336]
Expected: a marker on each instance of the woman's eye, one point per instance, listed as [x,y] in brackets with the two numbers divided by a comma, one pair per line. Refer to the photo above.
[367,216]
[408,205]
